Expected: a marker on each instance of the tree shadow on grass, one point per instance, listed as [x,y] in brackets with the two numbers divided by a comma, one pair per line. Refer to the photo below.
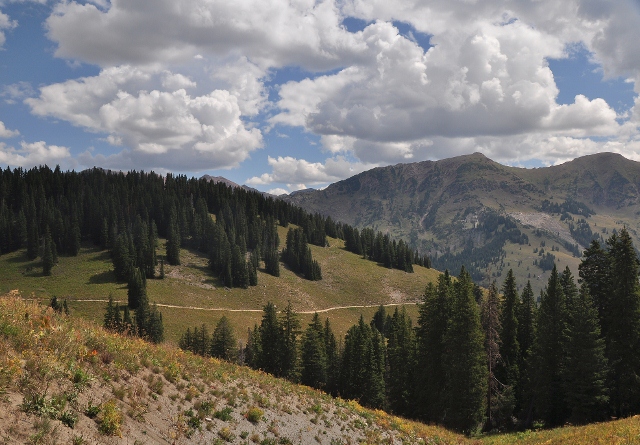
[102,278]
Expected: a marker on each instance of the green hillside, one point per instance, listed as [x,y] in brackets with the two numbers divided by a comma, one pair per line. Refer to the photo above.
[189,295]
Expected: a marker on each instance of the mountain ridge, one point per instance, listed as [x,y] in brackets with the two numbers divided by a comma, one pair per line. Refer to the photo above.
[449,206]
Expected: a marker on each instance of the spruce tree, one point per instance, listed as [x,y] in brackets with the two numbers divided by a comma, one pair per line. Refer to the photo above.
[508,369]
[136,289]
[465,360]
[314,355]
[526,338]
[550,353]
[270,341]
[333,359]
[401,356]
[433,321]
[490,317]
[223,341]
[239,272]
[173,242]
[622,318]
[594,272]
[47,255]
[290,325]
[586,367]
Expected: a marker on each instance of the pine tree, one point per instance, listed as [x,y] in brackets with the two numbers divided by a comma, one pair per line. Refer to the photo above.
[270,341]
[465,360]
[622,318]
[136,289]
[490,316]
[173,242]
[314,355]
[508,369]
[433,321]
[526,338]
[290,325]
[401,356]
[333,359]
[112,319]
[223,341]
[47,255]
[550,353]
[594,272]
[272,262]
[155,327]
[239,272]
[586,368]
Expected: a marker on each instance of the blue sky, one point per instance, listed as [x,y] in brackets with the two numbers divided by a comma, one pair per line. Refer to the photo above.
[286,95]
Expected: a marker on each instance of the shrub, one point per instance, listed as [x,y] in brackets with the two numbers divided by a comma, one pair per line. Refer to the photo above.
[224,414]
[110,419]
[68,418]
[254,414]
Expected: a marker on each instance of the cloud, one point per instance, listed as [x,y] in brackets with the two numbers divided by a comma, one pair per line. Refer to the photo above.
[298,173]
[33,154]
[273,33]
[6,133]
[489,81]
[16,91]
[278,191]
[5,24]
[131,105]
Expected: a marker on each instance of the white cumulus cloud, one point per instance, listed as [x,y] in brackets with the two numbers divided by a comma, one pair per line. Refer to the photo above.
[33,154]
[6,133]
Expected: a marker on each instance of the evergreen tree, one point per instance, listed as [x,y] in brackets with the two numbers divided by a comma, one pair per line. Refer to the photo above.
[112,320]
[155,326]
[622,318]
[333,359]
[490,316]
[47,255]
[433,321]
[239,272]
[401,356]
[136,289]
[594,270]
[362,372]
[314,355]
[173,242]
[272,262]
[465,360]
[127,321]
[526,338]
[223,341]
[290,325]
[508,369]
[550,353]
[585,372]
[270,341]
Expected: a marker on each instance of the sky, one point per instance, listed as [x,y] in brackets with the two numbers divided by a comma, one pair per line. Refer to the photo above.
[284,95]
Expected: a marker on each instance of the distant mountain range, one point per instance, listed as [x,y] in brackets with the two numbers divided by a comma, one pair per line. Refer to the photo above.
[472,211]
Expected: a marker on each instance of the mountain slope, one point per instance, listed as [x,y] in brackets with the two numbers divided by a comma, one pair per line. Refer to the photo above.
[66,381]
[455,205]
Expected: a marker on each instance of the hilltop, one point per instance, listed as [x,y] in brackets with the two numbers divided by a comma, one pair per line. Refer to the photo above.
[455,210]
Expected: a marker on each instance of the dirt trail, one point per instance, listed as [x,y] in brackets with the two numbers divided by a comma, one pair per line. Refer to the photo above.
[196,308]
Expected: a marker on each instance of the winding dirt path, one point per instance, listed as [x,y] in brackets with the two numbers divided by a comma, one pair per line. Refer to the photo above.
[195,308]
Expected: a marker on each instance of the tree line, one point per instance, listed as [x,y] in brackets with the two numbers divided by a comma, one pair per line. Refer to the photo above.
[492,359]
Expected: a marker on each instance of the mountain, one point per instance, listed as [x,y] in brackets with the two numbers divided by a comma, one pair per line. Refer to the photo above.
[472,211]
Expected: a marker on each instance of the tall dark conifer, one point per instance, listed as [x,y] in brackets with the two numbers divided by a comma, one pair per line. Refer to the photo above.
[433,321]
[550,354]
[586,367]
[465,360]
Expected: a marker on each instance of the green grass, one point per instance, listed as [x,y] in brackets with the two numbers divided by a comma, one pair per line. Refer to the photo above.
[348,280]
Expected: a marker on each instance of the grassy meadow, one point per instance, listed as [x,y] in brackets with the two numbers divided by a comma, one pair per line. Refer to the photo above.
[190,296]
